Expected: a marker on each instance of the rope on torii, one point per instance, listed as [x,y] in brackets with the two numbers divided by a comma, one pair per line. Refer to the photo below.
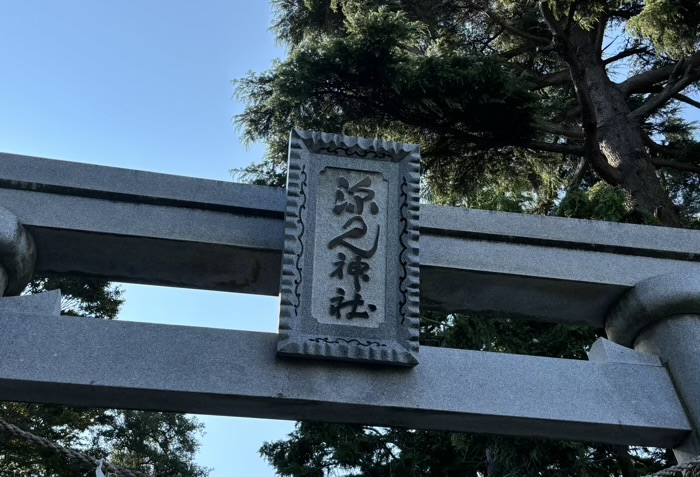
[70,453]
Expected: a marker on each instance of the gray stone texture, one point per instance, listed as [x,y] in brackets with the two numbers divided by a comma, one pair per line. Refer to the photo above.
[652,300]
[211,371]
[675,340]
[46,303]
[82,218]
[152,228]
[605,351]
[127,185]
[17,254]
[661,316]
[329,226]
[325,234]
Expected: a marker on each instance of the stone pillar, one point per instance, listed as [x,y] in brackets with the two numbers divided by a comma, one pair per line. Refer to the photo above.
[661,316]
[17,255]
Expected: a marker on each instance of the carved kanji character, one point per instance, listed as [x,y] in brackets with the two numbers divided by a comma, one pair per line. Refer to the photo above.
[358,270]
[338,303]
[352,198]
[359,231]
[339,266]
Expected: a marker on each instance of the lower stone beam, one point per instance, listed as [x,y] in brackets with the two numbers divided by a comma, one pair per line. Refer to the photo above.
[87,362]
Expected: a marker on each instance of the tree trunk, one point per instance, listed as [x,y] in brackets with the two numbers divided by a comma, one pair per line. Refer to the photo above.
[619,140]
[614,141]
[624,460]
[491,465]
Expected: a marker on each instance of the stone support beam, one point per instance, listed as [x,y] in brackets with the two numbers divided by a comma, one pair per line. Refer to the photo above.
[661,316]
[618,397]
[155,229]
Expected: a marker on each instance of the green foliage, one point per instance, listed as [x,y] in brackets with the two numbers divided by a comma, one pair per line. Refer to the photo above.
[156,443]
[82,296]
[603,202]
[64,425]
[491,100]
[384,74]
[672,25]
[320,450]
[152,442]
[472,93]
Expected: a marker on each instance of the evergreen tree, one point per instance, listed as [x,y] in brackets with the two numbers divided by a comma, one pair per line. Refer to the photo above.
[550,107]
[155,443]
[494,91]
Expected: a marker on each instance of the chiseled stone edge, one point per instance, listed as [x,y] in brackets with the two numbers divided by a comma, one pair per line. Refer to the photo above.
[342,348]
[605,351]
[651,300]
[47,303]
[347,349]
[293,252]
[409,308]
[325,143]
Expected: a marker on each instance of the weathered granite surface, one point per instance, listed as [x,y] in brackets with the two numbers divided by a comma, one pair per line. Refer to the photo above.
[46,303]
[226,372]
[652,300]
[605,351]
[152,228]
[349,286]
[17,254]
[563,270]
[675,341]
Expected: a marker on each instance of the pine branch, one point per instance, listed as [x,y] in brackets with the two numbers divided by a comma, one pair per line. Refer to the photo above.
[687,100]
[526,48]
[569,149]
[581,170]
[624,54]
[660,149]
[570,16]
[551,20]
[515,52]
[682,75]
[679,166]
[600,35]
[516,31]
[553,79]
[573,132]
[543,146]
[541,81]
[628,13]
[641,82]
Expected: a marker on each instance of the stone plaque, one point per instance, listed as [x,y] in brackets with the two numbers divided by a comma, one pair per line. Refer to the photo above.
[349,287]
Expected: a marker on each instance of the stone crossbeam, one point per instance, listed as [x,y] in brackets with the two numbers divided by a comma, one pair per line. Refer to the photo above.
[158,229]
[87,362]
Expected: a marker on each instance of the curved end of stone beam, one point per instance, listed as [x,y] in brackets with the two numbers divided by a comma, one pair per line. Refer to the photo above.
[651,300]
[17,253]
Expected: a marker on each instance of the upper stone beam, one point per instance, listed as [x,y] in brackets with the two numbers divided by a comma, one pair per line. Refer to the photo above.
[160,229]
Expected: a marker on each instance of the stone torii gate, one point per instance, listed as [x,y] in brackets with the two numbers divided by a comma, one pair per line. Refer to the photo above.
[641,283]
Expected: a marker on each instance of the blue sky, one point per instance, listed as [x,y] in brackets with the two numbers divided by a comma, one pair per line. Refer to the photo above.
[146,85]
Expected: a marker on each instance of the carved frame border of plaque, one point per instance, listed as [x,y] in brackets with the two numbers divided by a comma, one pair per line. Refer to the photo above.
[313,156]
